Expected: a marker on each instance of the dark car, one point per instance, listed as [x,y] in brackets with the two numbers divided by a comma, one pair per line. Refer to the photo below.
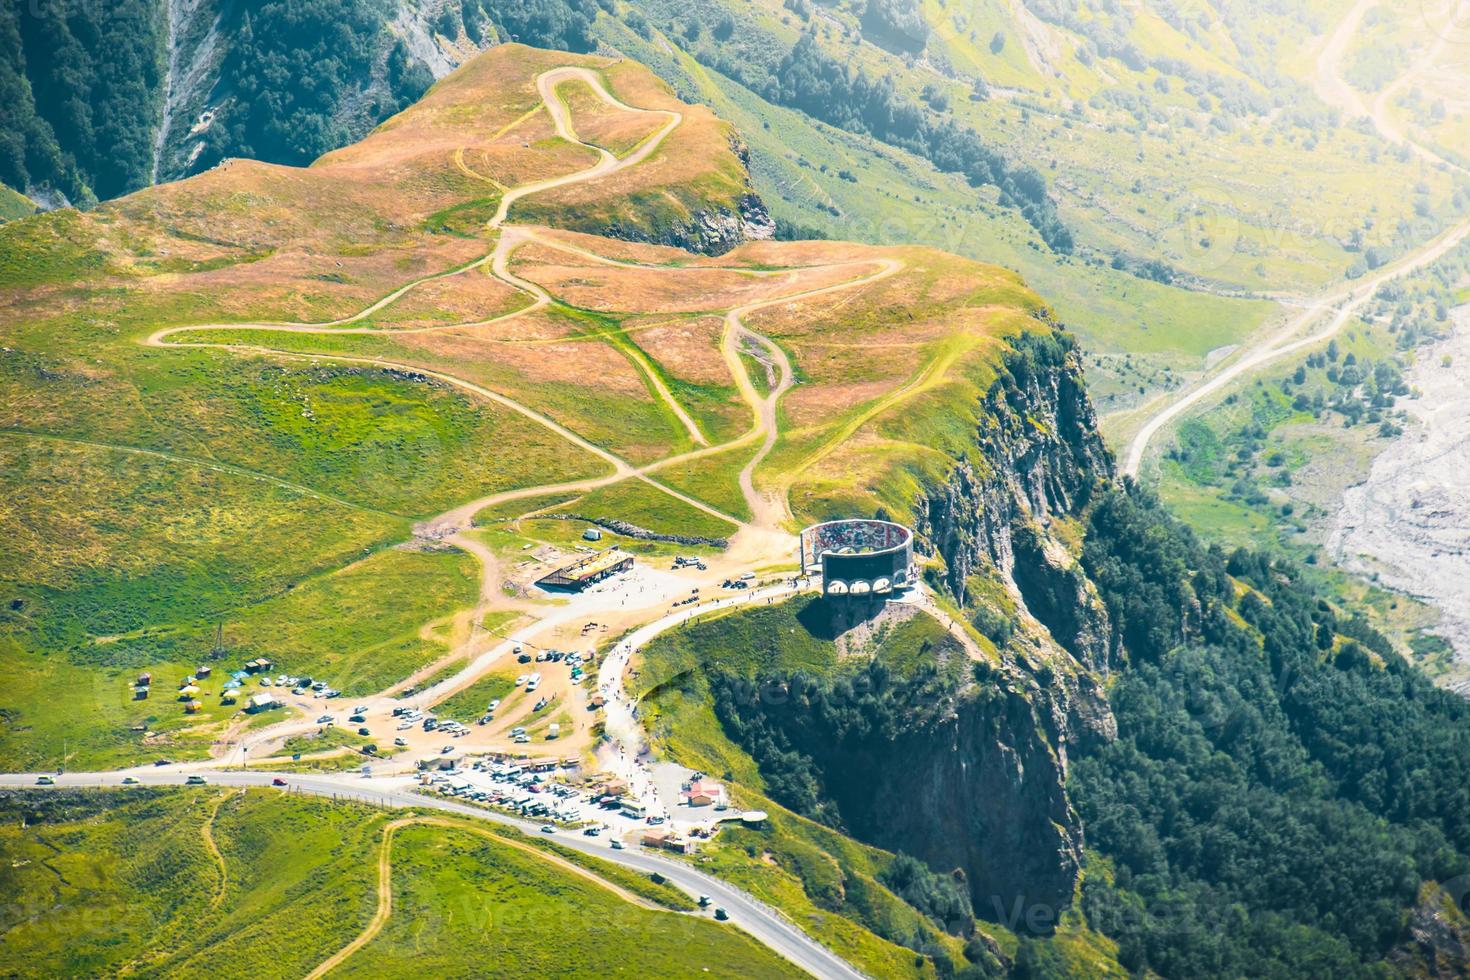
[363,731]
[278,781]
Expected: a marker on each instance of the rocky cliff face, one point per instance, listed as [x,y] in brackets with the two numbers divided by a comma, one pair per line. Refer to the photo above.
[998,784]
[981,789]
[710,230]
[972,777]
[1042,458]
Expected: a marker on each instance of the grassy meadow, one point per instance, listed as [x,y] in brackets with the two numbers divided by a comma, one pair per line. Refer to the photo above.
[174,882]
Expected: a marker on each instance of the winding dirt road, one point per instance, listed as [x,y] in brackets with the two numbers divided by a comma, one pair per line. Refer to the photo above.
[755,544]
[1344,300]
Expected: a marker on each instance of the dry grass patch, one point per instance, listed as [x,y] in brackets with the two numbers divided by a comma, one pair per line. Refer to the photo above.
[473,295]
[305,286]
[686,347]
[556,357]
[593,285]
[594,121]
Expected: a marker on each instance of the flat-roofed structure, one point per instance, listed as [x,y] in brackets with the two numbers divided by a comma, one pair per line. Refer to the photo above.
[859,557]
[588,570]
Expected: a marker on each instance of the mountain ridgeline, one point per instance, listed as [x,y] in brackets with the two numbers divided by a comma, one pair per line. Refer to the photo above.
[100,99]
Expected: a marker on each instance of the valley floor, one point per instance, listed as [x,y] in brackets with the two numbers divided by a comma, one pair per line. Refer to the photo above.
[1407,526]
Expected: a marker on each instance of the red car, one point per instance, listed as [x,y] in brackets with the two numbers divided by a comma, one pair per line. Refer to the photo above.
[278,781]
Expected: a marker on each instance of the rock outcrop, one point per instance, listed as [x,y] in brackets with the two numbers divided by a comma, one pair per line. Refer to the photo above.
[1000,803]
[971,776]
[710,230]
[980,789]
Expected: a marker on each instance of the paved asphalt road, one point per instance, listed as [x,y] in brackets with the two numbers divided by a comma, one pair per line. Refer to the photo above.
[761,921]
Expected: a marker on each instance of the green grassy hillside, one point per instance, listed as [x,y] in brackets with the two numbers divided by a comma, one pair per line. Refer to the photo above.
[848,893]
[168,883]
[155,495]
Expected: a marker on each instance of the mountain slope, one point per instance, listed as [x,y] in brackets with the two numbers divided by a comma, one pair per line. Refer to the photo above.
[290,411]
[103,100]
[276,393]
[1018,123]
[281,882]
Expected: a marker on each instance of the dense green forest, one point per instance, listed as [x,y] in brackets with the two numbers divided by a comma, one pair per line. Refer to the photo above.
[82,85]
[1282,787]
[1282,782]
[293,65]
[80,95]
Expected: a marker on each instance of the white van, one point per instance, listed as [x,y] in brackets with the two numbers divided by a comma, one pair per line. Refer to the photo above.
[553,732]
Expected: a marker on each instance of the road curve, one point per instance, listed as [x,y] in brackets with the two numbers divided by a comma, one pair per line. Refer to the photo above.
[762,922]
[767,512]
[1347,300]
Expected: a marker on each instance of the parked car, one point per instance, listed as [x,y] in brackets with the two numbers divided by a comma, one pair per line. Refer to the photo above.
[721,915]
[325,720]
[364,731]
[400,742]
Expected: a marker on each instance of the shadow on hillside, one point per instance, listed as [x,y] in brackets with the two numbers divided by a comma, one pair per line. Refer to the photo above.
[828,618]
